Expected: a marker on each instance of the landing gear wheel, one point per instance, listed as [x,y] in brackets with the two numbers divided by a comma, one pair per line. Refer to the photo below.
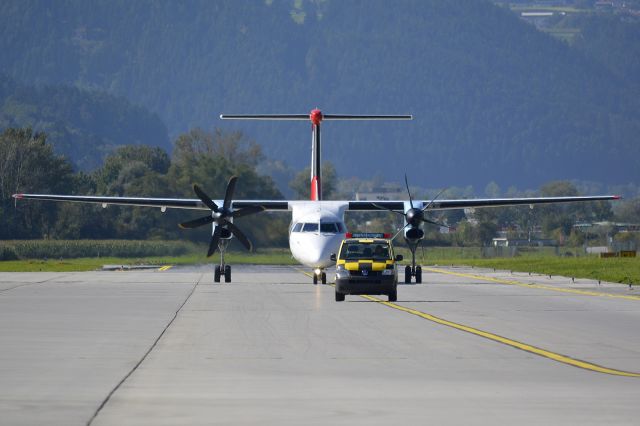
[393,295]
[227,274]
[324,278]
[315,278]
[407,274]
[216,274]
[339,297]
[418,274]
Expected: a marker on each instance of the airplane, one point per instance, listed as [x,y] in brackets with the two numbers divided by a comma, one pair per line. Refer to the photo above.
[317,225]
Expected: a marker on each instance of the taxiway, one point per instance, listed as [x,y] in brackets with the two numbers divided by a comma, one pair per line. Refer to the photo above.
[172,347]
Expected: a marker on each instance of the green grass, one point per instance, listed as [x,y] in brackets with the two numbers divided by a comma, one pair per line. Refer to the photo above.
[542,261]
[262,257]
[617,270]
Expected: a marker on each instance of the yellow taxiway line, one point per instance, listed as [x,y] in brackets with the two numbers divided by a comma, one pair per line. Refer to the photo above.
[528,285]
[510,342]
[165,267]
[500,339]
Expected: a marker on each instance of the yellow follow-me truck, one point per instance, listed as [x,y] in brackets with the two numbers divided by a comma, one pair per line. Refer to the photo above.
[366,264]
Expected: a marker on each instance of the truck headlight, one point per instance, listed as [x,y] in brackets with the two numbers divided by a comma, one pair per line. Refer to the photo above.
[387,272]
[341,271]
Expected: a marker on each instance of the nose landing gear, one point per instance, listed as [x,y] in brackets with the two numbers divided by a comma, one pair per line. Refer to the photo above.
[319,275]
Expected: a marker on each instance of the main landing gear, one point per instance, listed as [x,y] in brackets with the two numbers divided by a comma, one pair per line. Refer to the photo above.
[319,275]
[222,270]
[413,270]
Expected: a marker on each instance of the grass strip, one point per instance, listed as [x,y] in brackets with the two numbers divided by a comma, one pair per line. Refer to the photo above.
[262,257]
[617,270]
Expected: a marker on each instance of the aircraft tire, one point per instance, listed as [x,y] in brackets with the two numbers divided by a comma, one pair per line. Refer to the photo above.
[216,274]
[418,274]
[393,295]
[407,274]
[227,274]
[339,297]
[324,278]
[315,278]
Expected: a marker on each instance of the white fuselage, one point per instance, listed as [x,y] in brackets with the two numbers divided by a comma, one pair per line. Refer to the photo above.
[317,228]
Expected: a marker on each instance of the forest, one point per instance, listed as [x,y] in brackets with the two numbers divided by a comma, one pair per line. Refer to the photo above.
[29,165]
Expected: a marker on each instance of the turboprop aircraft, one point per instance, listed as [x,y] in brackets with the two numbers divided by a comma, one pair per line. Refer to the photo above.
[317,225]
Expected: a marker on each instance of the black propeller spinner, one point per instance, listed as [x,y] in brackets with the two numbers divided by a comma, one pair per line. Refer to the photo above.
[415,216]
[221,216]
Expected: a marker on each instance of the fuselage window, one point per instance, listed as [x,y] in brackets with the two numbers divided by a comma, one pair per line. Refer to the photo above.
[328,228]
[297,227]
[310,227]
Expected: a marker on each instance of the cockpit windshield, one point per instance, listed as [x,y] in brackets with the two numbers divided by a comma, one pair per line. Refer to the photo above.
[328,227]
[310,227]
[325,227]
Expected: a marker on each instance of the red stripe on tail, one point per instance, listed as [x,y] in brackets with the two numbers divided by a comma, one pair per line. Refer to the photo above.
[314,188]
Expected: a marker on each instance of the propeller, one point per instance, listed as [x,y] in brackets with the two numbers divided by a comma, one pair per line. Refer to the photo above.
[415,216]
[222,216]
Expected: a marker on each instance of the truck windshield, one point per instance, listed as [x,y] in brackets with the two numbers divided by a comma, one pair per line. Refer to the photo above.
[358,251]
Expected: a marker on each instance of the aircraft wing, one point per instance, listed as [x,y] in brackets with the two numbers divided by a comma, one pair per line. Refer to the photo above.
[162,203]
[473,203]
[284,205]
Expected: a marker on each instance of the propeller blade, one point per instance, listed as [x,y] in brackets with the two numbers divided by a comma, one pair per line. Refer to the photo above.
[239,235]
[213,245]
[399,231]
[437,223]
[205,198]
[247,211]
[196,222]
[433,199]
[228,196]
[407,183]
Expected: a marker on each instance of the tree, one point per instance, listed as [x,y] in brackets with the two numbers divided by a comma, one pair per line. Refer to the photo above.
[210,159]
[28,164]
[301,183]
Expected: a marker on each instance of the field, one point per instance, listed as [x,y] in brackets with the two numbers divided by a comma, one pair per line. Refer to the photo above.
[572,263]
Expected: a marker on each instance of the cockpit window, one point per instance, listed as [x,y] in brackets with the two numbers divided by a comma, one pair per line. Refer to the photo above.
[356,251]
[328,227]
[310,227]
[341,227]
[297,227]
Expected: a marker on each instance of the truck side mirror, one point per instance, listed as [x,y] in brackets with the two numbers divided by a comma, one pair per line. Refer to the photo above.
[399,257]
[333,257]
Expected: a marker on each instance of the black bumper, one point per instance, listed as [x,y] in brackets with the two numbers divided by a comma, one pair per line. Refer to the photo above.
[383,284]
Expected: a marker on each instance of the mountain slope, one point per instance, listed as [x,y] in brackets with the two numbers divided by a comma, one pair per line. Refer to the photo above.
[83,125]
[493,99]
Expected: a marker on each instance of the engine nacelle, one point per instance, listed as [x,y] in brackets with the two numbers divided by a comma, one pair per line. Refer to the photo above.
[225,234]
[414,234]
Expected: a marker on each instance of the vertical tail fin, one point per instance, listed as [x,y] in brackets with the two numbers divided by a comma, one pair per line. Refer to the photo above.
[316,164]
[315,116]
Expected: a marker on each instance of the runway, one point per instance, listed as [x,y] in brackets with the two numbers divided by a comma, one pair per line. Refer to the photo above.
[171,347]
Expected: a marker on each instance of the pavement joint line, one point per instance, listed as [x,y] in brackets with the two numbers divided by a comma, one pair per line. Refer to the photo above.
[146,354]
[564,359]
[28,284]
[530,285]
